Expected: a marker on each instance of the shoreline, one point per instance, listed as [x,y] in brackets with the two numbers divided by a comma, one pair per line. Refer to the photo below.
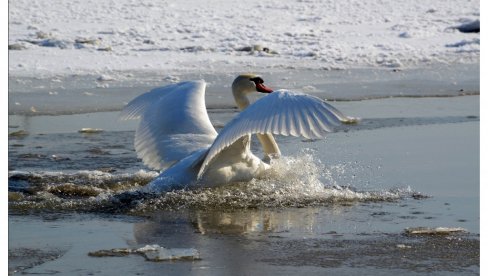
[87,93]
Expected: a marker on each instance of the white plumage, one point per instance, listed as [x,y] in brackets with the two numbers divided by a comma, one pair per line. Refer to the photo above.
[174,123]
[282,113]
[175,132]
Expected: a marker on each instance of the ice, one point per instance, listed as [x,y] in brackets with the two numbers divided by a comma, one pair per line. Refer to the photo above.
[153,253]
[194,35]
[105,78]
[90,130]
[474,41]
[147,248]
[116,252]
[434,231]
[157,253]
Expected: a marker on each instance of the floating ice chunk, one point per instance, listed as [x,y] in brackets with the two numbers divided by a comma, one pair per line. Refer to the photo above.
[153,247]
[309,88]
[153,253]
[90,130]
[434,231]
[58,158]
[116,252]
[156,253]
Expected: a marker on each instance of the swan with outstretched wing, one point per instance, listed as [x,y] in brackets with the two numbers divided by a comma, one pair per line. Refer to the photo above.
[175,133]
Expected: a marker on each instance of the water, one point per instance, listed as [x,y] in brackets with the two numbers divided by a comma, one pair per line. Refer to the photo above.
[78,171]
[338,205]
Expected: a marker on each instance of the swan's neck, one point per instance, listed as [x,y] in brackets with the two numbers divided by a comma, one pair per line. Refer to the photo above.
[241,100]
[270,147]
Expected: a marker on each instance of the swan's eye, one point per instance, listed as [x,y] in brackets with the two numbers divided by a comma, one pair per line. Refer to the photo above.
[257,80]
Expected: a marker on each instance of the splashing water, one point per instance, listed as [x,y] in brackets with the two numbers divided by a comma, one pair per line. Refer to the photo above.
[296,181]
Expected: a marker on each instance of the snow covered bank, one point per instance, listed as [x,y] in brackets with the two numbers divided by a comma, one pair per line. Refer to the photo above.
[99,36]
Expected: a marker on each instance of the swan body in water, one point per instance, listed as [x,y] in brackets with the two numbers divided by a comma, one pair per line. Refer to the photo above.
[175,134]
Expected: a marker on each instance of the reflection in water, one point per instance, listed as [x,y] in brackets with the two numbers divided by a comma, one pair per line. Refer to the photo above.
[255,221]
[231,241]
[292,221]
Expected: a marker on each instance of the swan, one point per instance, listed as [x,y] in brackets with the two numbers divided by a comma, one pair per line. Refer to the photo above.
[175,134]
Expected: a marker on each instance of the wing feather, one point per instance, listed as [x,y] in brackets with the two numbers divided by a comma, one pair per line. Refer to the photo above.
[174,123]
[299,120]
[284,125]
[282,112]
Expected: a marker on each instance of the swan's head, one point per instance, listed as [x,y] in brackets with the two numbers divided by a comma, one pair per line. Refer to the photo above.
[249,83]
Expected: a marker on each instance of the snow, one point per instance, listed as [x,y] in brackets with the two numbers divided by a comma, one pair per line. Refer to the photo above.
[49,37]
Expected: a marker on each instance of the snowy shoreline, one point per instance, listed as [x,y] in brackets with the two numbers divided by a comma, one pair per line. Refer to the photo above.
[77,94]
[62,37]
[91,56]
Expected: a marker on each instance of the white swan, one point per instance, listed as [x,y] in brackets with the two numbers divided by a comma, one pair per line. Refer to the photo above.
[175,134]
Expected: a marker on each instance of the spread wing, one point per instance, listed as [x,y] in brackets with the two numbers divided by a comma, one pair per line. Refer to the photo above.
[174,123]
[283,113]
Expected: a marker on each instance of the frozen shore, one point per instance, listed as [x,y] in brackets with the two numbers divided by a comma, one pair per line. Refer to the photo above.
[76,94]
[47,38]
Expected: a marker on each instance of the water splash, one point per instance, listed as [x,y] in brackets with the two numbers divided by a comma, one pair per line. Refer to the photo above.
[297,181]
